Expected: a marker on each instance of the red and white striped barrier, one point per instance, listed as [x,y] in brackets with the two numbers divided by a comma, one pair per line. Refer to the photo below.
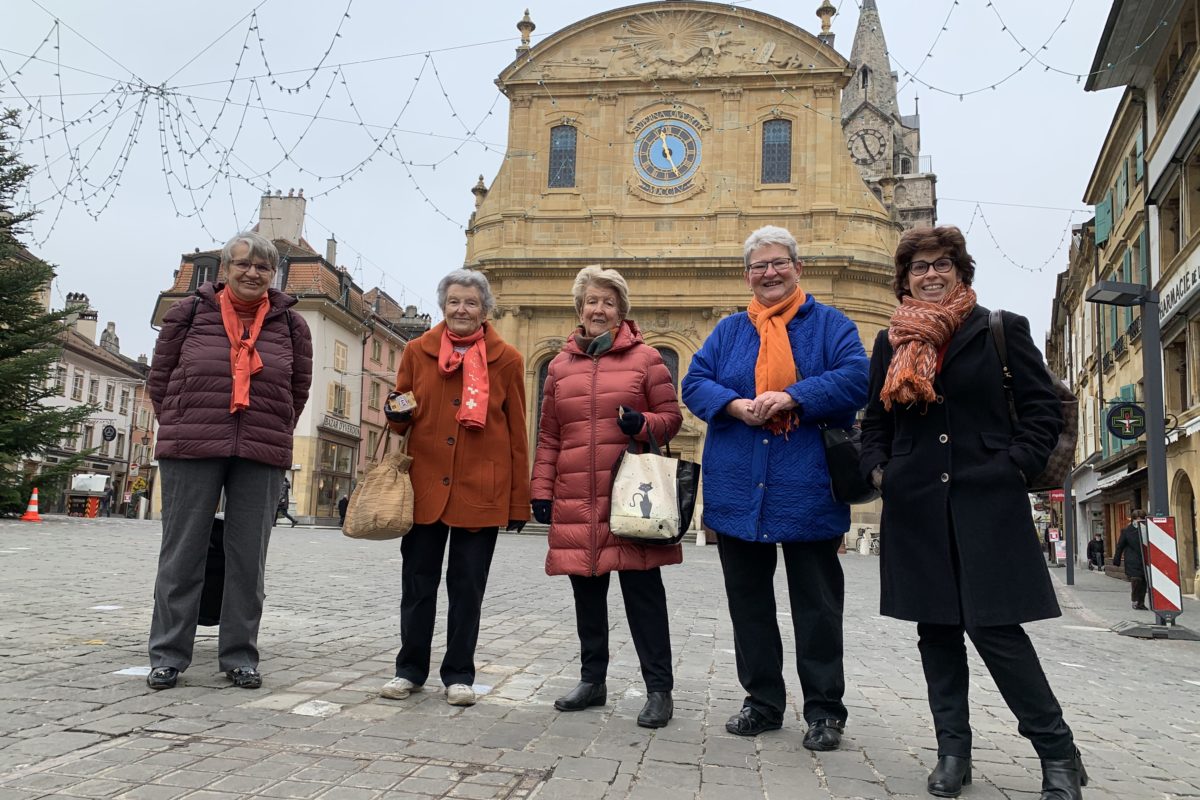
[1162,566]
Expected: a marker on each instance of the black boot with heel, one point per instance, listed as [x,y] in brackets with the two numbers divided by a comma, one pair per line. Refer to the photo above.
[949,776]
[1062,778]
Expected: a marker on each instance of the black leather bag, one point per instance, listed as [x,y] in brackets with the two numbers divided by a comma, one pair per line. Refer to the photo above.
[214,576]
[843,451]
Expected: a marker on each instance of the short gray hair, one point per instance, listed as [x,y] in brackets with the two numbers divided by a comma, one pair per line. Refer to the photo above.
[470,279]
[596,275]
[768,235]
[261,249]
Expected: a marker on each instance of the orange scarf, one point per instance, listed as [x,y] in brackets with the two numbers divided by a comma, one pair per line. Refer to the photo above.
[775,369]
[918,331]
[244,360]
[472,411]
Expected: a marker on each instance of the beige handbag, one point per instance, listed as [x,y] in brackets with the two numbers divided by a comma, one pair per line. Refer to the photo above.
[382,505]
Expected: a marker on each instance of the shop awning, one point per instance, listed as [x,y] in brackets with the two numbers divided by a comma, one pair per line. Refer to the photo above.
[1111,483]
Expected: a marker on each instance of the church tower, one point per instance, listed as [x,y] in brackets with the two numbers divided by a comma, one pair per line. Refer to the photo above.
[884,144]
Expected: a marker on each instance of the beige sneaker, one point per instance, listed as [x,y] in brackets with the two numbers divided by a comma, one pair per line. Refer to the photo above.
[398,689]
[459,694]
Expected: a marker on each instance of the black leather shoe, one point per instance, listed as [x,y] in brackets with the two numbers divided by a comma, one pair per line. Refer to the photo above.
[245,677]
[824,734]
[749,722]
[583,696]
[949,776]
[1062,778]
[658,710]
[162,678]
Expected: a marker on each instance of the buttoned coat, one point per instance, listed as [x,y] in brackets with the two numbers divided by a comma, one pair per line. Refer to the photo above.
[463,477]
[191,382]
[957,529]
[579,443]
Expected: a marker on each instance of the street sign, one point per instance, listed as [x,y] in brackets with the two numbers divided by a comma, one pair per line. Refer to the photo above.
[1053,534]
[109,433]
[133,470]
[1057,495]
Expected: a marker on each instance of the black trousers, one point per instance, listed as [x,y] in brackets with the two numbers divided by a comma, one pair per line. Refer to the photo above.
[816,592]
[1137,590]
[422,550]
[1014,665]
[645,608]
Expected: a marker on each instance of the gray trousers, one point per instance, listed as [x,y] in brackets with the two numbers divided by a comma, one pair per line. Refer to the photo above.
[191,491]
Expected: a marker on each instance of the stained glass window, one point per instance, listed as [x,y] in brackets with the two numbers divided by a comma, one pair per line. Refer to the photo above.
[777,151]
[562,157]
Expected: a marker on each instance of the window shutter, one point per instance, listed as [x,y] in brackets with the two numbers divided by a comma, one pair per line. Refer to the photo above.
[1104,219]
[1139,165]
[1144,257]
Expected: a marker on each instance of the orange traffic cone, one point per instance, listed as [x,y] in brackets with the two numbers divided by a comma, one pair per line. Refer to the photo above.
[31,512]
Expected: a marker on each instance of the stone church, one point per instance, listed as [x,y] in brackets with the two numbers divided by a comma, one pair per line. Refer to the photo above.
[654,138]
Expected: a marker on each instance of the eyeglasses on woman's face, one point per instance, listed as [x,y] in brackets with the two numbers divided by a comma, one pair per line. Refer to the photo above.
[760,267]
[246,266]
[942,265]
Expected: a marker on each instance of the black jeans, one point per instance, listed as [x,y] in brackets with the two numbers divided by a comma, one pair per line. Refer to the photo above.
[422,550]
[1137,590]
[816,592]
[1014,665]
[645,608]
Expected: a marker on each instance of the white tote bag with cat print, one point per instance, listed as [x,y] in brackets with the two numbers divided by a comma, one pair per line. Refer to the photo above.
[645,505]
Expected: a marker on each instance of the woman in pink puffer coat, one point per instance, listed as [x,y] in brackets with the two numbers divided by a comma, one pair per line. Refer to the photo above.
[605,386]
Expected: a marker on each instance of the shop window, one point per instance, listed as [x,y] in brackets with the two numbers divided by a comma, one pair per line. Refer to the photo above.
[340,355]
[562,157]
[777,151]
[332,480]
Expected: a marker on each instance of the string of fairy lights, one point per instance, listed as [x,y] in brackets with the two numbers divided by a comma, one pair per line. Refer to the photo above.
[85,154]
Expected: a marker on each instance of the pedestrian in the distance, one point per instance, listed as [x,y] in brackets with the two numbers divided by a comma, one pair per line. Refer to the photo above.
[231,373]
[470,475]
[605,386]
[765,380]
[1129,550]
[343,504]
[1095,552]
[282,510]
[960,552]
[106,502]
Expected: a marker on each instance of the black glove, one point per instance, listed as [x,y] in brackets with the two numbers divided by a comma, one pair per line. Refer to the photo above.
[630,421]
[542,510]
[515,525]
[397,416]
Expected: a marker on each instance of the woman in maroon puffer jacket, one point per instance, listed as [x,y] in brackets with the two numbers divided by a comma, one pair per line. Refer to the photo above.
[231,374]
[605,386]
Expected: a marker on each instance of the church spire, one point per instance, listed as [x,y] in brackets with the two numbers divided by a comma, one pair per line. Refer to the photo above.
[873,81]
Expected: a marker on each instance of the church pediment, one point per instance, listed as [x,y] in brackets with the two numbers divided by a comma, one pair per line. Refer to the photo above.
[869,111]
[677,41]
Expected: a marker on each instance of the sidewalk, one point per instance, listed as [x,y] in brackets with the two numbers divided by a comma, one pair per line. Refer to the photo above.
[1105,600]
[77,720]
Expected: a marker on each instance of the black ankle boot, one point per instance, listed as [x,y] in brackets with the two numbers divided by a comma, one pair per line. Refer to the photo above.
[1062,778]
[949,776]
[583,696]
[658,710]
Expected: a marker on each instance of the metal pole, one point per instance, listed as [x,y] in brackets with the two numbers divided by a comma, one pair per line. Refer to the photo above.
[1069,527]
[1156,435]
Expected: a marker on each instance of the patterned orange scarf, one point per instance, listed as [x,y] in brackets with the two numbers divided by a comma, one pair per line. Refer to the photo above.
[244,360]
[472,411]
[775,369]
[919,328]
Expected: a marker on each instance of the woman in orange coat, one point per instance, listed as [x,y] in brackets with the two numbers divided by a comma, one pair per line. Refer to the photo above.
[604,387]
[469,473]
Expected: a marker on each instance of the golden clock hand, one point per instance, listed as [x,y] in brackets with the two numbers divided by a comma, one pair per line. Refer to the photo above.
[662,135]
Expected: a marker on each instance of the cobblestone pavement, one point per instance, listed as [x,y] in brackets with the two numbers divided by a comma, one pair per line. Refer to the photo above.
[75,609]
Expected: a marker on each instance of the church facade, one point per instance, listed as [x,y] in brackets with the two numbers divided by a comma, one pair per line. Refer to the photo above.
[653,139]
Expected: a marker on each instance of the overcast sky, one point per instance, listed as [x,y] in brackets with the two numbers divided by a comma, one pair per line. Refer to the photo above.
[144,82]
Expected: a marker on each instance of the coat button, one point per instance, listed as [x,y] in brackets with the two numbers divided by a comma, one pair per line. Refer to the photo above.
[766,441]
[760,485]
[446,481]
[940,399]
[456,402]
[449,440]
[945,478]
[943,438]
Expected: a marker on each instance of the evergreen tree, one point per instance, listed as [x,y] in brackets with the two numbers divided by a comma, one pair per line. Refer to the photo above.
[30,345]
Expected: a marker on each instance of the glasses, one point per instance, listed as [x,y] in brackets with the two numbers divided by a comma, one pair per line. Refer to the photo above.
[246,266]
[921,267]
[760,267]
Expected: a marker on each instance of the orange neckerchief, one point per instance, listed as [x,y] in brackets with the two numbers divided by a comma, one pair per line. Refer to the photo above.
[472,412]
[775,369]
[244,360]
[918,333]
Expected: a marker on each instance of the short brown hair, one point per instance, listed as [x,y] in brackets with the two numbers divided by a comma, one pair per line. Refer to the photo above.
[943,237]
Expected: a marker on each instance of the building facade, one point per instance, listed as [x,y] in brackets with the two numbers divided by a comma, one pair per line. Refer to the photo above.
[653,139]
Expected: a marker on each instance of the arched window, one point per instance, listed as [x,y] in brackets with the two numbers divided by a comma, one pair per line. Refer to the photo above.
[562,157]
[865,75]
[777,151]
[905,166]
[671,359]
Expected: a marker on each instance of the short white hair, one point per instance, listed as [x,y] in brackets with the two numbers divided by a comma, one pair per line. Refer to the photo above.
[768,235]
[596,275]
[470,279]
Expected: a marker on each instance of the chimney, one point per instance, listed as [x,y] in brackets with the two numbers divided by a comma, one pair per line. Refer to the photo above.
[109,340]
[282,217]
[331,250]
[85,316]
[141,359]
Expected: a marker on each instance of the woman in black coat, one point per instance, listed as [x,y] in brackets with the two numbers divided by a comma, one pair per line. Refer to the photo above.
[1130,546]
[959,553]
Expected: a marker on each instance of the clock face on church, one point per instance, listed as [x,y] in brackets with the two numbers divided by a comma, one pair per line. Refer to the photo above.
[666,156]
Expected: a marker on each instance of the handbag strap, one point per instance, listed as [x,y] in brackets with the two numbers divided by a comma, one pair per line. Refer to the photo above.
[996,326]
[636,448]
[402,446]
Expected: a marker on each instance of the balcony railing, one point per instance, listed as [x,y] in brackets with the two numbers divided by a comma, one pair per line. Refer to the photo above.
[1119,347]
[1108,361]
[1134,331]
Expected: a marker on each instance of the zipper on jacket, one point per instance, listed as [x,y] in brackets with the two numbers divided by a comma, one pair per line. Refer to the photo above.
[595,526]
